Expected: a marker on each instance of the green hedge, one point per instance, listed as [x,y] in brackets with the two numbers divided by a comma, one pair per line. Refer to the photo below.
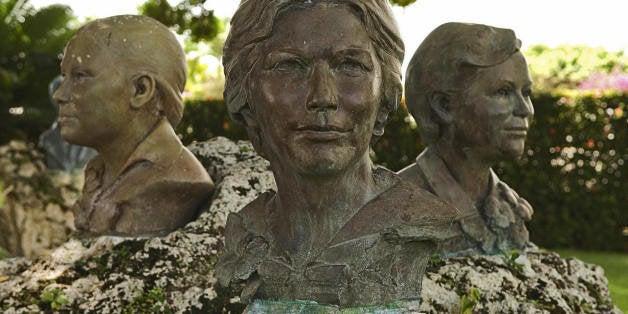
[573,172]
[204,119]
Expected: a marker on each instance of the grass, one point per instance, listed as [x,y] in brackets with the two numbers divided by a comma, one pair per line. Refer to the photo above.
[615,268]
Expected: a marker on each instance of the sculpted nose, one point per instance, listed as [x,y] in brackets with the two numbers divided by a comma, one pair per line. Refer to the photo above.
[322,94]
[62,94]
[524,107]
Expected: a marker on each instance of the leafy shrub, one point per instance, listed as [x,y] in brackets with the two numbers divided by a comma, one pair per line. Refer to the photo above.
[573,172]
[31,41]
[204,119]
[55,298]
[565,67]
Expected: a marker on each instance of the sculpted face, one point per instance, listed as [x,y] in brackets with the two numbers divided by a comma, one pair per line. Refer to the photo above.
[93,97]
[316,90]
[495,110]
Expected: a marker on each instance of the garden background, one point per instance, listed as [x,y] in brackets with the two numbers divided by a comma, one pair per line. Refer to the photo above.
[573,172]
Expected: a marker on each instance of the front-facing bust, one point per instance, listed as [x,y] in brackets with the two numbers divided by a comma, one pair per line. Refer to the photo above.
[121,95]
[314,83]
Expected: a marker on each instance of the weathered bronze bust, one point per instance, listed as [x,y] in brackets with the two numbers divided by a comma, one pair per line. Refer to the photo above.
[468,88]
[121,95]
[314,83]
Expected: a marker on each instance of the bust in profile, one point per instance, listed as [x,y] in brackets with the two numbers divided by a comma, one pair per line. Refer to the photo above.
[61,155]
[314,82]
[468,88]
[121,95]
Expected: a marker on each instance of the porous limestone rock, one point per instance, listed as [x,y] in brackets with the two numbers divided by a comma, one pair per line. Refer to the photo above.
[534,282]
[36,215]
[239,173]
[175,273]
[168,274]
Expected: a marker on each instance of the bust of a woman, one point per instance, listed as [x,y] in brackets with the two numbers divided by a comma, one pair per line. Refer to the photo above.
[468,88]
[314,83]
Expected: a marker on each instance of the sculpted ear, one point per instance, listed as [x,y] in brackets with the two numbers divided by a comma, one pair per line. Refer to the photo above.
[439,103]
[144,89]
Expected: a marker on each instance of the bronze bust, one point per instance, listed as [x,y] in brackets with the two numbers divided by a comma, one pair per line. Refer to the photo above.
[121,95]
[468,88]
[314,82]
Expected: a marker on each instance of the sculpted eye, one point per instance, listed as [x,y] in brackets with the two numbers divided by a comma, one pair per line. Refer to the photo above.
[80,76]
[289,65]
[526,92]
[504,91]
[351,67]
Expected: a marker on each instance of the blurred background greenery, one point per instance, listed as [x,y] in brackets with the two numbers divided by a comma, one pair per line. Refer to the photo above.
[573,172]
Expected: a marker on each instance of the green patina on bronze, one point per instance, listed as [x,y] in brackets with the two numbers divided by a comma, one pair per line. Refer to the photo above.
[311,307]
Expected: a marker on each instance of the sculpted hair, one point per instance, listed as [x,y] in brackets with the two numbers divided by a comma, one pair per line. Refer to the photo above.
[447,61]
[253,23]
[143,45]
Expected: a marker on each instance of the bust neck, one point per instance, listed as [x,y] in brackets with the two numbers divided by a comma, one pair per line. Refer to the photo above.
[311,209]
[116,152]
[467,167]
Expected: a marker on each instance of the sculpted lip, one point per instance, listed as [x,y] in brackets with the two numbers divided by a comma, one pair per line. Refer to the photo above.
[516,131]
[322,133]
[64,117]
[319,128]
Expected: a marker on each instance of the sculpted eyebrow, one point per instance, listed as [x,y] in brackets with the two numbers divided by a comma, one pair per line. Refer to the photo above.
[506,83]
[354,52]
[278,55]
[357,54]
[526,83]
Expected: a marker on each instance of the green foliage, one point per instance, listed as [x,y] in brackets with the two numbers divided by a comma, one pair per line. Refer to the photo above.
[615,265]
[204,119]
[2,196]
[565,67]
[573,172]
[3,252]
[55,298]
[31,42]
[400,144]
[402,3]
[469,301]
[151,301]
[434,259]
[206,79]
[203,34]
[511,260]
[190,17]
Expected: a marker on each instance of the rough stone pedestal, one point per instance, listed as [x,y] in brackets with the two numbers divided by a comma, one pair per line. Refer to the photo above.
[175,273]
